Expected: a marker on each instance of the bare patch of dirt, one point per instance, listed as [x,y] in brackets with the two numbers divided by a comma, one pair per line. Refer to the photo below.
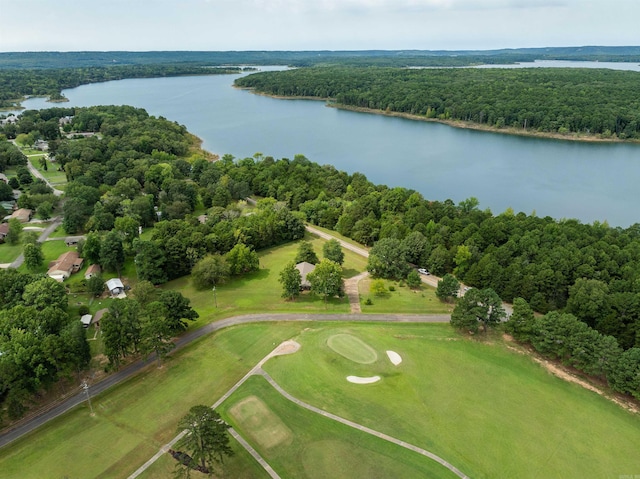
[562,372]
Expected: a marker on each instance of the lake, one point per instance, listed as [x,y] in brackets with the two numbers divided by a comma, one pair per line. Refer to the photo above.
[562,179]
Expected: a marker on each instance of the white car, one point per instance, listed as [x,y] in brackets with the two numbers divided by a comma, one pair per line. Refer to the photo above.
[423,271]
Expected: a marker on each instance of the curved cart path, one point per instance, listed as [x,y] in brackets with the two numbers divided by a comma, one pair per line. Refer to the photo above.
[360,427]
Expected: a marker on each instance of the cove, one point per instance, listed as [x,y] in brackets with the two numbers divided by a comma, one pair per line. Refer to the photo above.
[562,179]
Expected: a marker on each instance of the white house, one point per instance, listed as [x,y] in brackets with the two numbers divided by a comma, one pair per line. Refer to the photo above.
[86,320]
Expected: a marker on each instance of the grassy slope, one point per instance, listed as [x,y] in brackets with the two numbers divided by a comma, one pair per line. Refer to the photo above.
[489,411]
[403,299]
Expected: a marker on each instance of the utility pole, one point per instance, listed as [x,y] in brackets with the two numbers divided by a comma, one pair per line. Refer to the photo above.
[85,386]
[215,299]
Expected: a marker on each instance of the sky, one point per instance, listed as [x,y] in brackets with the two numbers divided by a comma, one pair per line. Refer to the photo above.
[145,25]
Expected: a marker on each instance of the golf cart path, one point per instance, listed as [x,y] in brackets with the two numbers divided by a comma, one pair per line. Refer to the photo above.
[360,427]
[38,418]
[290,347]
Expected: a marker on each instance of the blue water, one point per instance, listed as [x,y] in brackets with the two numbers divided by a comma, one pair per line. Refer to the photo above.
[561,179]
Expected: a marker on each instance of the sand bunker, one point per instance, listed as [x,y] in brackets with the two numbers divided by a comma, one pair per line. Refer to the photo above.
[359,380]
[394,357]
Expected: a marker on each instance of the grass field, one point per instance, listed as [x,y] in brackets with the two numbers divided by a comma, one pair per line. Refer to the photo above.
[57,178]
[260,292]
[402,300]
[315,447]
[489,411]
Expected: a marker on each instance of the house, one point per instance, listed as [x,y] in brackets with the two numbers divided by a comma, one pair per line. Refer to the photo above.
[202,219]
[115,287]
[66,264]
[41,145]
[23,215]
[305,268]
[98,316]
[8,206]
[92,270]
[11,119]
[4,231]
[86,320]
[65,120]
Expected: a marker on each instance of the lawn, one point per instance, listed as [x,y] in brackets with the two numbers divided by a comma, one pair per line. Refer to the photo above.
[489,411]
[299,443]
[57,178]
[134,419]
[260,292]
[402,300]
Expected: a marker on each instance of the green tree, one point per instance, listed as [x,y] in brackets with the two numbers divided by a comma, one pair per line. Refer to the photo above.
[414,281]
[33,256]
[95,285]
[112,252]
[45,292]
[120,328]
[477,307]
[210,271]
[178,309]
[448,287]
[306,253]
[44,210]
[387,259]
[156,331]
[128,228]
[150,261]
[326,279]
[521,324]
[333,250]
[291,281]
[588,300]
[206,439]
[13,234]
[144,292]
[91,248]
[242,260]
[377,287]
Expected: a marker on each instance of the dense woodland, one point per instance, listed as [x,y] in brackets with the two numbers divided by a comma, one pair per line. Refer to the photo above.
[17,84]
[547,100]
[139,170]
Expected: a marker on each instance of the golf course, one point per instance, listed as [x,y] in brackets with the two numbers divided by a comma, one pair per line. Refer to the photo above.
[486,409]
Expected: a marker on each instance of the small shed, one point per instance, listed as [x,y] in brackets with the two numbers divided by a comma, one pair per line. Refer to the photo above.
[92,270]
[86,320]
[115,286]
[72,240]
[98,316]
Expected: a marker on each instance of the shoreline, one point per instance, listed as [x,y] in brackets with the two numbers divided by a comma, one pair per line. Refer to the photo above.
[467,125]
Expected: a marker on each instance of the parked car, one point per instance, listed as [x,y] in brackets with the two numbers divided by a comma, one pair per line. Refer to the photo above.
[423,271]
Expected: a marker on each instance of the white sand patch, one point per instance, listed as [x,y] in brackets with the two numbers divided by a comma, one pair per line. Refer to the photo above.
[394,357]
[359,380]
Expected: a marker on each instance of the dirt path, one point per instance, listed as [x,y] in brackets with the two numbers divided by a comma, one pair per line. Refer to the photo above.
[351,290]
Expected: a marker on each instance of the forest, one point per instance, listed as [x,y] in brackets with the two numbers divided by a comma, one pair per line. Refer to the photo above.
[139,170]
[15,85]
[588,102]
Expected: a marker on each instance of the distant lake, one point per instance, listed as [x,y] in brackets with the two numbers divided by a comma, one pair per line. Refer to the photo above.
[562,179]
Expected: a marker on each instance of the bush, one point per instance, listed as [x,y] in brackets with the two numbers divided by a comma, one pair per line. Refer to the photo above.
[83,309]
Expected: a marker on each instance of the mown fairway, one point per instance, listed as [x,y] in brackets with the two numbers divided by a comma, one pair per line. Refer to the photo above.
[489,411]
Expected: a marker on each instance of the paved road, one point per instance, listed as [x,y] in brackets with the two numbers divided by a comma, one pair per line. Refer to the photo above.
[37,174]
[38,420]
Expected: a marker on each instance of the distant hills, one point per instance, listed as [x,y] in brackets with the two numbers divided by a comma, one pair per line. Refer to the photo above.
[52,60]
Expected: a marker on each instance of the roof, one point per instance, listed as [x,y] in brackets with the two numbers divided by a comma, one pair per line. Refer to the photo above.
[86,319]
[66,262]
[114,283]
[93,269]
[99,314]
[23,214]
[305,268]
[4,228]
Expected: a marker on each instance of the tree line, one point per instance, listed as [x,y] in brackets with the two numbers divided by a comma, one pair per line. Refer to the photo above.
[20,83]
[549,100]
